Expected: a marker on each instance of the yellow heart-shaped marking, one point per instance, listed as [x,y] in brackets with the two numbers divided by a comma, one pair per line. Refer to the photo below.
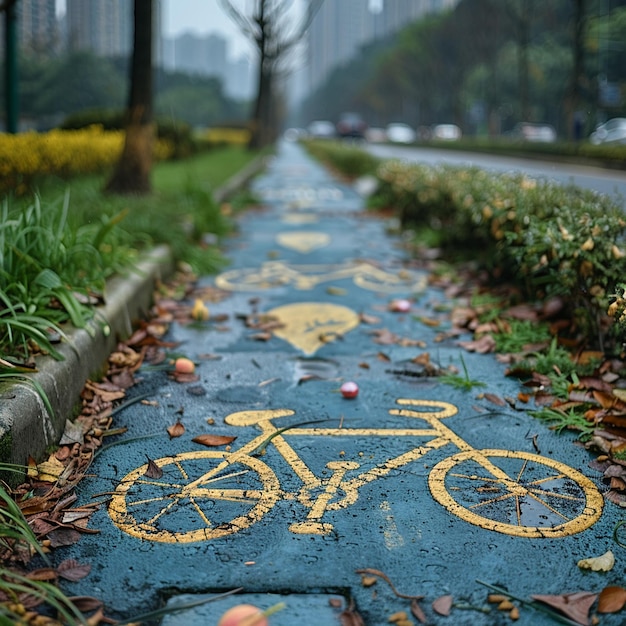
[310,325]
[303,241]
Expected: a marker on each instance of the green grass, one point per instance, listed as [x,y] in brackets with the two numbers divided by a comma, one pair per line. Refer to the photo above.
[59,246]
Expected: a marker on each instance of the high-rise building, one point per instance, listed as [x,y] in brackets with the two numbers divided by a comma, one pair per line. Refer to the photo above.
[206,55]
[103,27]
[341,27]
[36,26]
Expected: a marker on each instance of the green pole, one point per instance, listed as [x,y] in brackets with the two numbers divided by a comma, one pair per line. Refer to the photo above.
[10,55]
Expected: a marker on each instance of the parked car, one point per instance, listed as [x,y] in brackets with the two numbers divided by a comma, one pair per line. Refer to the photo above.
[541,133]
[321,129]
[613,131]
[446,132]
[375,135]
[351,125]
[398,132]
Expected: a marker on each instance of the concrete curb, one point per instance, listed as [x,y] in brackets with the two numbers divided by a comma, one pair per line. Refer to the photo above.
[240,179]
[26,428]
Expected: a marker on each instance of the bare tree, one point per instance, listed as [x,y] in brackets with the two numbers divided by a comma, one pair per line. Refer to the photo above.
[274,35]
[132,174]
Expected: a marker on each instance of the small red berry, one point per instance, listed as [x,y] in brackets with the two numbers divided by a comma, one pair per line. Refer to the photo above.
[349,390]
[400,306]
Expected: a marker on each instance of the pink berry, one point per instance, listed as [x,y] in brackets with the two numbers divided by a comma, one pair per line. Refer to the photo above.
[349,390]
[400,306]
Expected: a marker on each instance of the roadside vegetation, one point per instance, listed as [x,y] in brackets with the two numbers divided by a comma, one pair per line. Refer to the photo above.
[62,239]
[537,272]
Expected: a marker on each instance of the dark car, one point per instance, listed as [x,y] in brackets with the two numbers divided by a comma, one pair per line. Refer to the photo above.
[351,125]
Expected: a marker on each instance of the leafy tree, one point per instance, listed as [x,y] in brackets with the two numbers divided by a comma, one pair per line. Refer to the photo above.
[82,81]
[275,37]
[132,174]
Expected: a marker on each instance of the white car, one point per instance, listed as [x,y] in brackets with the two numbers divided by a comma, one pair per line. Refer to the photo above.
[321,129]
[400,133]
[613,131]
[447,132]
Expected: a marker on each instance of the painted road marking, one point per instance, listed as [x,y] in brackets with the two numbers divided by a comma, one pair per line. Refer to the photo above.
[205,495]
[310,325]
[303,277]
[303,241]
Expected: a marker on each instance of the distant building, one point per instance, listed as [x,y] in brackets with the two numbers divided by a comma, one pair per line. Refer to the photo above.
[341,27]
[103,27]
[37,31]
[206,55]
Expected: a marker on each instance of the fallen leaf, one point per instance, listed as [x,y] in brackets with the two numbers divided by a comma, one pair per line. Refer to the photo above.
[86,604]
[495,399]
[50,470]
[481,346]
[368,581]
[443,605]
[602,563]
[417,611]
[213,440]
[63,537]
[574,605]
[365,318]
[176,430]
[42,574]
[153,470]
[611,599]
[70,569]
[350,617]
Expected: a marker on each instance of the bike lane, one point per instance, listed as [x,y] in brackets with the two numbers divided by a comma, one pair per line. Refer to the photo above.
[431,485]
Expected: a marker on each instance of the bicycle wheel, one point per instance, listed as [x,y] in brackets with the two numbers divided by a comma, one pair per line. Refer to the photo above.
[201,495]
[516,493]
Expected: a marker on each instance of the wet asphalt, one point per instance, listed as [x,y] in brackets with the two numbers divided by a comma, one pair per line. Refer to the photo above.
[431,485]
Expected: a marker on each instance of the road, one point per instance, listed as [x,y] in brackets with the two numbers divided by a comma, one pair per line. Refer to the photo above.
[611,182]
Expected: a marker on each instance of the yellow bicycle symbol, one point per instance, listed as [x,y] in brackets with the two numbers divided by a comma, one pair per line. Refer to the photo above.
[303,277]
[205,495]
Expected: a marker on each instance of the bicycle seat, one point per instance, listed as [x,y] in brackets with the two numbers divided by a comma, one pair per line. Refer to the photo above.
[248,418]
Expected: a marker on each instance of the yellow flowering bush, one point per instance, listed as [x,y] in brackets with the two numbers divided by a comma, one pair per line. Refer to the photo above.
[63,153]
[227,136]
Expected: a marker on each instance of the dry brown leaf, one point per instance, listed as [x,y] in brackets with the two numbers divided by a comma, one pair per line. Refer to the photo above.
[495,399]
[42,574]
[576,605]
[417,612]
[611,599]
[350,617]
[213,440]
[481,346]
[176,430]
[70,569]
[365,318]
[443,605]
[86,604]
[152,469]
[63,537]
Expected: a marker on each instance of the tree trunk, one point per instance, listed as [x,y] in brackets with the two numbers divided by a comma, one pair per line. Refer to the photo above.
[132,174]
[573,96]
[523,44]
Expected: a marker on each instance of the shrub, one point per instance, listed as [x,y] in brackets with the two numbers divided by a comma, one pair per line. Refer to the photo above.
[63,153]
